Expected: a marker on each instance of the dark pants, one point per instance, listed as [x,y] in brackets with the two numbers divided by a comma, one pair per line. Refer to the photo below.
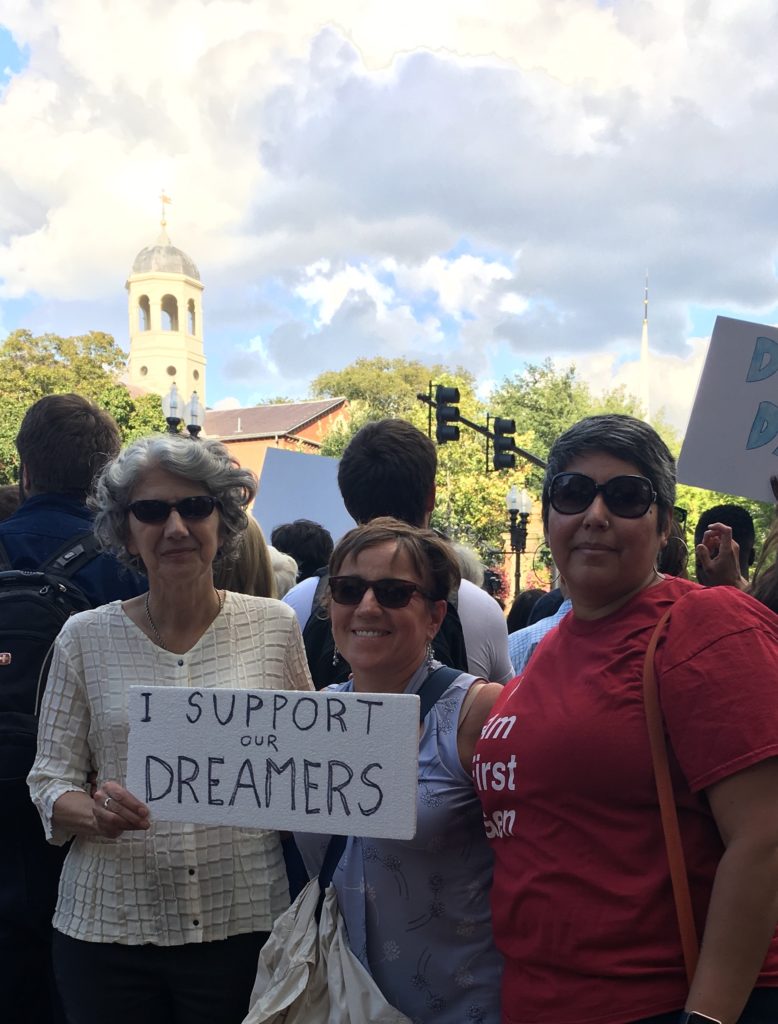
[29,873]
[761,1008]
[197,983]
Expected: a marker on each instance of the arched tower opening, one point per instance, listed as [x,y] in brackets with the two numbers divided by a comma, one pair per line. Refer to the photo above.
[169,311]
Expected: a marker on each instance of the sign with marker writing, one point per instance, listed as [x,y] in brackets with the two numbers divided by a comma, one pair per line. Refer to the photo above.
[731,442]
[338,763]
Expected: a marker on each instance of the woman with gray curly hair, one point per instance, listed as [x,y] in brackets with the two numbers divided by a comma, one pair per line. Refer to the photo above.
[159,921]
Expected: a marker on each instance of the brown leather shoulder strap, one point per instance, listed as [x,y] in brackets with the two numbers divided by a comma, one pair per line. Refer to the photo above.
[667,808]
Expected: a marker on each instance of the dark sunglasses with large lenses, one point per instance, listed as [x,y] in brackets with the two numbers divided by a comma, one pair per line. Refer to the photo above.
[389,593]
[151,510]
[628,497]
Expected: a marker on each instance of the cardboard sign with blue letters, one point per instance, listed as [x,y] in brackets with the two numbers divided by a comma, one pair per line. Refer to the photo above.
[731,443]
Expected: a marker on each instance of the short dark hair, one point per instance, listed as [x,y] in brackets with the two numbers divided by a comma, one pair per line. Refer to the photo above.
[742,525]
[63,443]
[432,557]
[388,469]
[623,437]
[309,544]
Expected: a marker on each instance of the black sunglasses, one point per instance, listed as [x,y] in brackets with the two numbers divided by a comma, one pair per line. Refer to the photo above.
[153,510]
[389,593]
[628,497]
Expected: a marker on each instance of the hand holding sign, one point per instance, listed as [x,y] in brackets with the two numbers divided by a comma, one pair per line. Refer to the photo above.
[116,810]
[339,763]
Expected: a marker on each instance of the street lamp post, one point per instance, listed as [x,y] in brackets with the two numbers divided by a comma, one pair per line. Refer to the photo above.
[193,414]
[519,505]
[170,409]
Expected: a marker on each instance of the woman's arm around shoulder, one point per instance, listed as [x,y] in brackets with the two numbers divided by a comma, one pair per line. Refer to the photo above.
[475,710]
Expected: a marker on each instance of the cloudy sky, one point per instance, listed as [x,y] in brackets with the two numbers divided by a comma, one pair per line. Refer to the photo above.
[481,183]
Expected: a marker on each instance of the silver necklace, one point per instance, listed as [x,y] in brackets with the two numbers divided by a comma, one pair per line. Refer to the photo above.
[157,635]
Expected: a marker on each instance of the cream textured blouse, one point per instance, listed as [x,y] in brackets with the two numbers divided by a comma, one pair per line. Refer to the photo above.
[174,883]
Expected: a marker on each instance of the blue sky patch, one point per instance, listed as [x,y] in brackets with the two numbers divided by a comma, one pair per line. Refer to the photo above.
[12,58]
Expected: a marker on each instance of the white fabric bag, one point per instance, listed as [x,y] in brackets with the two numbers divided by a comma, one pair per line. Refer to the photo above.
[307,973]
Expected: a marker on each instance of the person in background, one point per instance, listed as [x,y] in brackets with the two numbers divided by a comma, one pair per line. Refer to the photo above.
[521,609]
[159,922]
[63,441]
[388,469]
[250,570]
[720,554]
[309,544]
[416,911]
[524,642]
[470,565]
[284,570]
[739,520]
[582,903]
[548,604]
[674,556]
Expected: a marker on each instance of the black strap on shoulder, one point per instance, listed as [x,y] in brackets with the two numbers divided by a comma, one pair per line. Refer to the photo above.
[72,555]
[435,685]
[321,588]
[5,561]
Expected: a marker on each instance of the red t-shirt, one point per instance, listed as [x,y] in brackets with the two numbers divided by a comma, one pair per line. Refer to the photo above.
[582,902]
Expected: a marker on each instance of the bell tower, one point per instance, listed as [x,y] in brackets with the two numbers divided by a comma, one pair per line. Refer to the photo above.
[166,319]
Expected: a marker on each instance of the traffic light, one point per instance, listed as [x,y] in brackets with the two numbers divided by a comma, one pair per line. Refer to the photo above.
[503,457]
[446,414]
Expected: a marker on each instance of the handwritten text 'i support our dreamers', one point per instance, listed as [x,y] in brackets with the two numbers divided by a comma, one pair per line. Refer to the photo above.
[218,755]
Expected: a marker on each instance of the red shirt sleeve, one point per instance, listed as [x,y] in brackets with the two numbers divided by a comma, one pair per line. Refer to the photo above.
[717,672]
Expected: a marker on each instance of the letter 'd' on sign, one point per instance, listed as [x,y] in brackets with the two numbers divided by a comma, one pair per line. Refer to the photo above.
[764,429]
[764,361]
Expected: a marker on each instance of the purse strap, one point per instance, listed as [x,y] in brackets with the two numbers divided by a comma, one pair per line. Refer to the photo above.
[667,808]
[432,689]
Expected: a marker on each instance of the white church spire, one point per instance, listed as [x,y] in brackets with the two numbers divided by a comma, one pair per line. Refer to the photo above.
[645,381]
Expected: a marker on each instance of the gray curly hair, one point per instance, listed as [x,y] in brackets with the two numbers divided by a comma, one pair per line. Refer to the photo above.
[206,462]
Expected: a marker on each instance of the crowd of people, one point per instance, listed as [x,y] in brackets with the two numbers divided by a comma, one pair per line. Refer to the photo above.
[537,888]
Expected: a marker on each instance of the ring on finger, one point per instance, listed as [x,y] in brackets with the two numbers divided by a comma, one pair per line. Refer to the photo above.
[106,802]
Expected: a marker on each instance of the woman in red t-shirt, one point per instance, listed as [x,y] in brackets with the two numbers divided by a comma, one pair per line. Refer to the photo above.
[582,901]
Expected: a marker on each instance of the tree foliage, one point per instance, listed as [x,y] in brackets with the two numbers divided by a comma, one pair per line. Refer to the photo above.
[543,400]
[386,387]
[470,503]
[86,364]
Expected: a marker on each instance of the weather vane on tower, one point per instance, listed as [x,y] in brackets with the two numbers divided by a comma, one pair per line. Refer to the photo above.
[164,199]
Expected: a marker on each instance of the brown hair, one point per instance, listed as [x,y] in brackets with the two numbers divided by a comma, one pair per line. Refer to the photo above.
[63,443]
[432,557]
[249,570]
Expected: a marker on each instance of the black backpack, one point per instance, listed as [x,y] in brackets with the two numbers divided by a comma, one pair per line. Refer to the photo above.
[448,645]
[34,605]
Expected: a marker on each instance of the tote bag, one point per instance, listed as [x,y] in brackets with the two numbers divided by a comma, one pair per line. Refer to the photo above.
[307,973]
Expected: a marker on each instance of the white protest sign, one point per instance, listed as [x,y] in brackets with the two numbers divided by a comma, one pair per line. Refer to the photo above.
[294,485]
[731,442]
[340,763]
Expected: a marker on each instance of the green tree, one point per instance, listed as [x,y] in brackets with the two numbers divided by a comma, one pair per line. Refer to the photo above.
[387,387]
[470,503]
[88,364]
[545,401]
